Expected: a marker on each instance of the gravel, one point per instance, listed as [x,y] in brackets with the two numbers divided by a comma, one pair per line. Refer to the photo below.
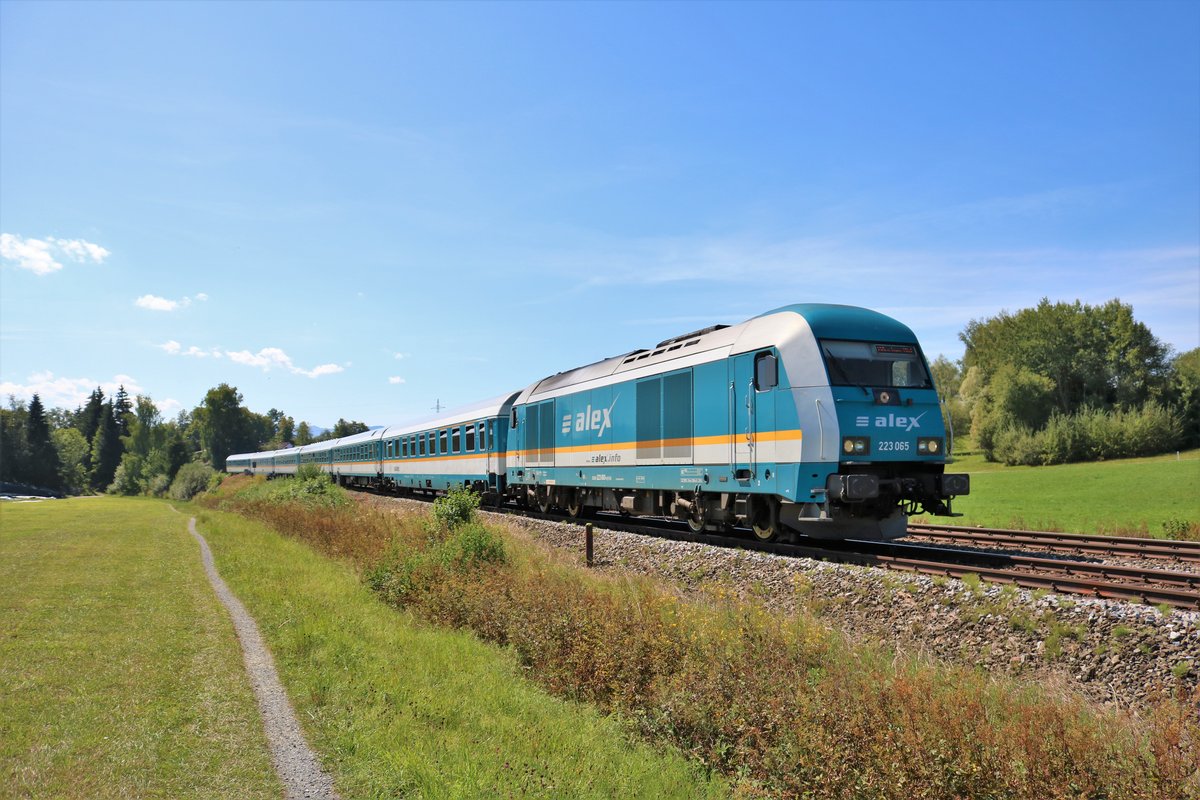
[295,762]
[1113,652]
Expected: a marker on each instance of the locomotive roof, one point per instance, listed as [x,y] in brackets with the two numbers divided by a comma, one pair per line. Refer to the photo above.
[820,320]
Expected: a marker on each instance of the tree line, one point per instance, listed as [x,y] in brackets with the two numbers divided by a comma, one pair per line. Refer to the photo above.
[125,445]
[1067,382]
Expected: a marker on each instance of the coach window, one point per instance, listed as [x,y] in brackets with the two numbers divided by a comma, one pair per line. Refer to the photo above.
[442,447]
[456,440]
[766,372]
[491,437]
[470,437]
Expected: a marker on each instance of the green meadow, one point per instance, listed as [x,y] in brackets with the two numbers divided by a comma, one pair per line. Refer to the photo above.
[122,676]
[1157,496]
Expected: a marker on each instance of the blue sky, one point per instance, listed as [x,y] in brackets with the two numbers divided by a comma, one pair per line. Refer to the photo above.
[359,209]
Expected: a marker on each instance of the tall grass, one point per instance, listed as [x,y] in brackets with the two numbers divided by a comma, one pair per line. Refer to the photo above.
[781,704]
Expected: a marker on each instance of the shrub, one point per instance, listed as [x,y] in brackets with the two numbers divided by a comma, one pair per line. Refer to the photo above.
[158,485]
[1089,435]
[456,507]
[307,472]
[128,477]
[192,478]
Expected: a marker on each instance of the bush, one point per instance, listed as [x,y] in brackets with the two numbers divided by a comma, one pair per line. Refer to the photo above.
[1090,435]
[192,479]
[128,477]
[456,507]
[311,487]
[308,472]
[158,485]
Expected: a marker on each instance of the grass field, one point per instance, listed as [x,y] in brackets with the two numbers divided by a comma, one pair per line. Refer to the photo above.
[405,709]
[120,675]
[1148,496]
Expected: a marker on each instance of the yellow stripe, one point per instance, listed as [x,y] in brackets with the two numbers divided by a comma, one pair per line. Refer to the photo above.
[794,435]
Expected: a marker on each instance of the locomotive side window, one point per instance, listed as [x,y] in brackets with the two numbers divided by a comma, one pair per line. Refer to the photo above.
[531,433]
[677,415]
[766,372]
[649,418]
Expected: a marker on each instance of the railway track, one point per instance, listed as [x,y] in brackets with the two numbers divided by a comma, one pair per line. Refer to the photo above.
[1124,547]
[1113,582]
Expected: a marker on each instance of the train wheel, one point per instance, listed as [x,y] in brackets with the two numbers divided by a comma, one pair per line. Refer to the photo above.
[764,520]
[697,520]
[543,501]
[575,506]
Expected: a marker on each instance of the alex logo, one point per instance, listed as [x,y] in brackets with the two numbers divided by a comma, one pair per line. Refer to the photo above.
[891,421]
[590,419]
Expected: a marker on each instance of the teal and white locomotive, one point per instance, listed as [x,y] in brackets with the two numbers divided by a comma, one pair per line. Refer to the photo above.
[814,419]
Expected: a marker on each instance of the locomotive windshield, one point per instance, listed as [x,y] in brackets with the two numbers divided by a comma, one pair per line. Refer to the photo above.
[875,364]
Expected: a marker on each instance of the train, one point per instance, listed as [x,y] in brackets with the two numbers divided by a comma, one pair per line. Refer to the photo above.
[813,420]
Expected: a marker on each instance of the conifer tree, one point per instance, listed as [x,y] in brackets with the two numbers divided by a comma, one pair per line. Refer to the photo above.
[106,449]
[13,452]
[122,410]
[89,421]
[43,467]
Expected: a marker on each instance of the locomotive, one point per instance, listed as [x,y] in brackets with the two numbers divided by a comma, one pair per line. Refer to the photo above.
[812,419]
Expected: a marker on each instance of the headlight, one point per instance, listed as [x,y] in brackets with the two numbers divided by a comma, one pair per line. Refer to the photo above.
[856,445]
[929,445]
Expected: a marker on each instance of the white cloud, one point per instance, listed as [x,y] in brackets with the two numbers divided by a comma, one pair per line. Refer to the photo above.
[270,357]
[40,256]
[67,392]
[155,303]
[395,379]
[172,347]
[169,407]
[400,356]
[323,369]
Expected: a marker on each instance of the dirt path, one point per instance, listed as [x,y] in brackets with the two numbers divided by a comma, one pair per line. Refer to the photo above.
[295,762]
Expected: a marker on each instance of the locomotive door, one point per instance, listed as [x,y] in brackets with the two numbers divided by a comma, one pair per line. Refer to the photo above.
[741,417]
[753,379]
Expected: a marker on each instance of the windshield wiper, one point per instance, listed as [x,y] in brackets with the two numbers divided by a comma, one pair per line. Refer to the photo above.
[842,370]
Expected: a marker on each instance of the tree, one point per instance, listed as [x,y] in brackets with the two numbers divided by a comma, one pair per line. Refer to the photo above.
[44,466]
[144,430]
[286,430]
[347,428]
[14,454]
[303,434]
[123,411]
[1185,393]
[947,376]
[1096,356]
[106,449]
[89,421]
[225,426]
[73,454]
